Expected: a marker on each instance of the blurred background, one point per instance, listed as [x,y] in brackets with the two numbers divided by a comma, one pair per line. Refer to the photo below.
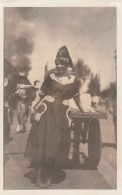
[32,37]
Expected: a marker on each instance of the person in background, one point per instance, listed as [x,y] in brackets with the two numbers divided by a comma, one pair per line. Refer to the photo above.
[37,84]
[36,89]
[10,84]
[34,96]
[7,110]
[95,101]
[23,101]
[49,139]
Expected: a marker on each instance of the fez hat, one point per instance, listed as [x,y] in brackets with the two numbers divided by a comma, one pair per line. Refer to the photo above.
[63,57]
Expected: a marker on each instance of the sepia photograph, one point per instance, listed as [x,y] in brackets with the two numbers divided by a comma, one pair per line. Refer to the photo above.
[60,98]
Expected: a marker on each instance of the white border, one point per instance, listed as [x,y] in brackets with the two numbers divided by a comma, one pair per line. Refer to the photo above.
[68,3]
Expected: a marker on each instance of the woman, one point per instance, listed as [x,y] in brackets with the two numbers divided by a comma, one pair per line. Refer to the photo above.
[49,133]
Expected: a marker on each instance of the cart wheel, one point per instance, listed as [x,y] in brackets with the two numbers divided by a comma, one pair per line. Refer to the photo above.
[94,144]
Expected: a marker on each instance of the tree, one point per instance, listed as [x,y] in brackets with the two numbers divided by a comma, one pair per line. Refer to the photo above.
[81,69]
[94,85]
[111,90]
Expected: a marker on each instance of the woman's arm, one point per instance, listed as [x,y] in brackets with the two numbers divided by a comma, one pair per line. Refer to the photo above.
[37,100]
[77,101]
[24,86]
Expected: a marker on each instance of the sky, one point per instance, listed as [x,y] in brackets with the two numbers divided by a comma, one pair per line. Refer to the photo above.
[36,34]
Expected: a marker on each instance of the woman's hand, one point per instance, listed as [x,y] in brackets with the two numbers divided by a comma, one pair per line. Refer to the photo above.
[90,109]
[32,110]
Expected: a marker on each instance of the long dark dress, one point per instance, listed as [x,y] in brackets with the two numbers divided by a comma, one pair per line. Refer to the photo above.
[50,135]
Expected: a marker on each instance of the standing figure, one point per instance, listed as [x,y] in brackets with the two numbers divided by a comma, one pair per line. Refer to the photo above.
[10,84]
[49,139]
[36,90]
[23,101]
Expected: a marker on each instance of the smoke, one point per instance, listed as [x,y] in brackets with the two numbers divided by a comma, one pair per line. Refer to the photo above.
[18,39]
[28,13]
[24,65]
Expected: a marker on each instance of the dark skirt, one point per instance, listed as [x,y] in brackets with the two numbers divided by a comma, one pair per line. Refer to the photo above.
[49,138]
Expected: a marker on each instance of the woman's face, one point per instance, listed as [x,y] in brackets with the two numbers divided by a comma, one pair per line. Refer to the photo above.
[61,68]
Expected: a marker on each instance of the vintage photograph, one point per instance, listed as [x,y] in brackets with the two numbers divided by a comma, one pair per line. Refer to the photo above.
[60,98]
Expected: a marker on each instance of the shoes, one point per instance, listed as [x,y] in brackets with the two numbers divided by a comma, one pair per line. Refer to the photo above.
[48,183]
[39,183]
[43,184]
[44,179]
[22,131]
[19,127]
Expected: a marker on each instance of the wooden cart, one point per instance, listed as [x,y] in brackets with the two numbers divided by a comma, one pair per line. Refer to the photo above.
[87,126]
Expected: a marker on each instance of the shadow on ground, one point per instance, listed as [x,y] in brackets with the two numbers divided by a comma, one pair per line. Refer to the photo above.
[58,172]
[112,145]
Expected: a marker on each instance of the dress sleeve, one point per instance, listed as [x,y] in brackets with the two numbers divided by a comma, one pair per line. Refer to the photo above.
[44,90]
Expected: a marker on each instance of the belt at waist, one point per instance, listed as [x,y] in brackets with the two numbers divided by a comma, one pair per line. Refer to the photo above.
[49,98]
[52,99]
